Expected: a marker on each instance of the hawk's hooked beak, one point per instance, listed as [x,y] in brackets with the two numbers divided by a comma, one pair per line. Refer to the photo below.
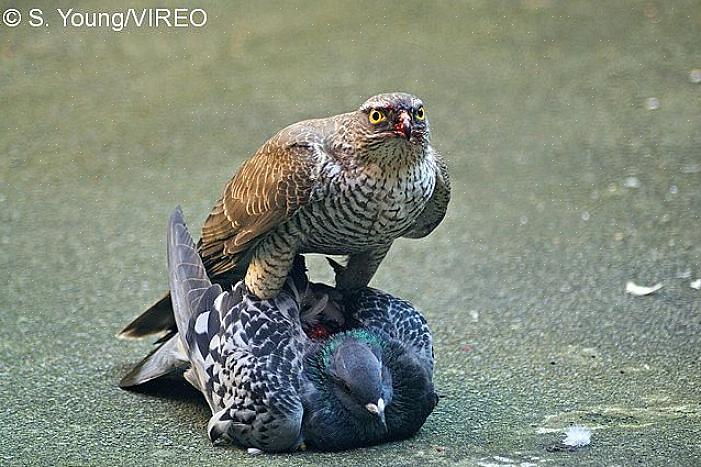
[403,125]
[379,410]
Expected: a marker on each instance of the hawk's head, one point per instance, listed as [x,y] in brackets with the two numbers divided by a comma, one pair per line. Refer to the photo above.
[394,119]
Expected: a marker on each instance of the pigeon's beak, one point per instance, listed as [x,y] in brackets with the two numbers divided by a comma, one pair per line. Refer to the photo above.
[378,410]
[403,125]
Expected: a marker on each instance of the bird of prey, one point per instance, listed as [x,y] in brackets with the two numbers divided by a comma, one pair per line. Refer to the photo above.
[270,386]
[347,185]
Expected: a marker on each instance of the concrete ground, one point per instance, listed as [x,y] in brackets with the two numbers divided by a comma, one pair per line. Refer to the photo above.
[573,133]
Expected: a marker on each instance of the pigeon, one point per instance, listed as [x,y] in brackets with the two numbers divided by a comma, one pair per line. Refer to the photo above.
[406,335]
[268,384]
[348,185]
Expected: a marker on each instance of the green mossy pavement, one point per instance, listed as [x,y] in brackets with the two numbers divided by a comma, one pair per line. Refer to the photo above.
[566,186]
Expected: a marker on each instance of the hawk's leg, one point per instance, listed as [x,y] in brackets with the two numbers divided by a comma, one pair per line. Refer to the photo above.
[360,268]
[271,263]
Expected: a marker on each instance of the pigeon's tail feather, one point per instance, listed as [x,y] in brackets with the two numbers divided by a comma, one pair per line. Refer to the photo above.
[156,320]
[161,361]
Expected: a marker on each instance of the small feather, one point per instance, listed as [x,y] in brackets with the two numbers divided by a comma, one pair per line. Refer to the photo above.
[639,290]
[577,436]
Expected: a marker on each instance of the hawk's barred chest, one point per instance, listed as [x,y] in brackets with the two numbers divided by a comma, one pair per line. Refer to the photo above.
[368,204]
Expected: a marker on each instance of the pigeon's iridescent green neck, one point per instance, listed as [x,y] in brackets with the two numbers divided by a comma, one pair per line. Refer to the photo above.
[360,335]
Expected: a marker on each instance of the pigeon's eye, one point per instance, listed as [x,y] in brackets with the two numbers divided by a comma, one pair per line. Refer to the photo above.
[376,117]
[419,114]
[340,382]
[343,385]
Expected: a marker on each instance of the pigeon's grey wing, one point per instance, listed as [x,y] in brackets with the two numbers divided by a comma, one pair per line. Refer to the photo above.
[437,205]
[252,369]
[192,294]
[246,354]
[190,283]
[378,311]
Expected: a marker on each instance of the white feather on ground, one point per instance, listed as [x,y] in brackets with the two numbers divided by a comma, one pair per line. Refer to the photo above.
[577,436]
[639,290]
[696,285]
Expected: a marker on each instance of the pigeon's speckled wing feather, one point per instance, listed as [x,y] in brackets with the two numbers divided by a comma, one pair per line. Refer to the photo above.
[246,354]
[378,311]
[253,369]
[264,193]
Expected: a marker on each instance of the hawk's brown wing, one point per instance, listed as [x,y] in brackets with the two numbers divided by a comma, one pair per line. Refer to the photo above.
[437,205]
[264,193]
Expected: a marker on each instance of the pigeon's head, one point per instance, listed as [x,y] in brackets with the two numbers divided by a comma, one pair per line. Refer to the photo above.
[357,376]
[394,120]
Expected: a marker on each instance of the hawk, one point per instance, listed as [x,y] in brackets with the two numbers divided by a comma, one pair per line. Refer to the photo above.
[346,185]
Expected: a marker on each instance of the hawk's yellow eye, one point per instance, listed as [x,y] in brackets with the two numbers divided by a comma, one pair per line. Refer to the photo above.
[420,114]
[376,117]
